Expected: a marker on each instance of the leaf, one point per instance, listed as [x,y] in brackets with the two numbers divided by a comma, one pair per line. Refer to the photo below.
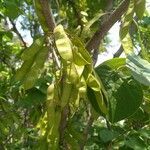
[72,75]
[145,133]
[127,44]
[31,68]
[21,72]
[96,100]
[34,97]
[36,68]
[77,43]
[31,51]
[11,9]
[140,68]
[63,43]
[108,135]
[92,21]
[124,94]
[139,7]
[115,63]
[94,93]
[79,70]
[78,58]
[136,143]
[126,21]
[93,83]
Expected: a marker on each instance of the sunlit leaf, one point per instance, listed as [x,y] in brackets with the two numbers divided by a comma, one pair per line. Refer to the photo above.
[127,19]
[78,58]
[93,83]
[31,51]
[140,68]
[92,21]
[127,44]
[140,7]
[80,48]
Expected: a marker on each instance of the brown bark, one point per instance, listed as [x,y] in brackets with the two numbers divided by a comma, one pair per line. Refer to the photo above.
[95,41]
[47,12]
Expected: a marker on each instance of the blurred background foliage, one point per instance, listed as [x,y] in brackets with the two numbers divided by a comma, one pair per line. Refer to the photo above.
[20,110]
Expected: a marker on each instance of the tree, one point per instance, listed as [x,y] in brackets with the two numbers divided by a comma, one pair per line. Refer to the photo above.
[52,95]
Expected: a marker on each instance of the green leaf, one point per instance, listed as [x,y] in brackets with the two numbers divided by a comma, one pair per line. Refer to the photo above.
[108,135]
[127,19]
[92,21]
[96,100]
[78,58]
[31,68]
[140,68]
[127,44]
[36,68]
[25,68]
[31,51]
[139,7]
[81,50]
[72,76]
[11,9]
[135,143]
[33,97]
[145,133]
[124,30]
[124,94]
[93,83]
[63,43]
[115,63]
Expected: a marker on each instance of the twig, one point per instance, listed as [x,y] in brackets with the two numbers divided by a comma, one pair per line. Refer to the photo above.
[119,52]
[14,28]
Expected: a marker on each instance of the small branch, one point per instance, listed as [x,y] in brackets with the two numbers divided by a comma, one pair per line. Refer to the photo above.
[47,13]
[14,28]
[119,52]
[51,46]
[63,124]
[95,41]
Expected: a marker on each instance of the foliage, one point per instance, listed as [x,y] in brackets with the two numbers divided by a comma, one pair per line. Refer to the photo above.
[51,94]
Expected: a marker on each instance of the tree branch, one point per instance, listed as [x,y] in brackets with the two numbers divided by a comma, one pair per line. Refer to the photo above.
[119,52]
[63,124]
[14,28]
[95,41]
[47,12]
